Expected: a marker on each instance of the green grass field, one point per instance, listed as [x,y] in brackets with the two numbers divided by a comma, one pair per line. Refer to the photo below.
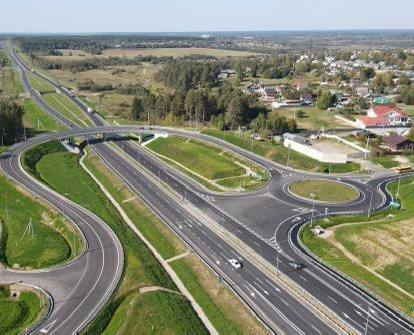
[40,84]
[387,162]
[36,119]
[16,314]
[380,245]
[212,297]
[208,164]
[199,157]
[279,153]
[51,242]
[67,108]
[324,190]
[61,171]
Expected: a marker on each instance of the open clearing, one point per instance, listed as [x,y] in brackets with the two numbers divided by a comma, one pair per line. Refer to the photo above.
[378,252]
[212,165]
[158,52]
[324,190]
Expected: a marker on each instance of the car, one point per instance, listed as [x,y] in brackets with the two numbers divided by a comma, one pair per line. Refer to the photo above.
[235,263]
[295,265]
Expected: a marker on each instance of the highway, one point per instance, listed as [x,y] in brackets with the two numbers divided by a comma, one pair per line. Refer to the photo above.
[265,221]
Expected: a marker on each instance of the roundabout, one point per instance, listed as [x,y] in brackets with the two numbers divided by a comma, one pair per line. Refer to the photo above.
[324,191]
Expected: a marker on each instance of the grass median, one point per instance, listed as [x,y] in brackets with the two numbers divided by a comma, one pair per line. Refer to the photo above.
[376,251]
[62,171]
[214,168]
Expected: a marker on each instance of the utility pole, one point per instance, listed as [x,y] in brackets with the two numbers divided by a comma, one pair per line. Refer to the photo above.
[370,205]
[313,208]
[398,187]
[288,160]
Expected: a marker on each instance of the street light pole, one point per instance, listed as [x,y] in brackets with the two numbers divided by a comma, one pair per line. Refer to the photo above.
[313,208]
[370,205]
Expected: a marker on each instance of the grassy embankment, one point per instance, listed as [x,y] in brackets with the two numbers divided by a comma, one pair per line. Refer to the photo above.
[377,252]
[67,108]
[223,309]
[324,190]
[17,313]
[53,240]
[209,165]
[165,312]
[279,153]
[387,162]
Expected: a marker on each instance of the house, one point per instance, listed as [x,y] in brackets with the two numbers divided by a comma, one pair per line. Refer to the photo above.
[268,93]
[397,143]
[384,116]
[362,91]
[307,98]
[300,85]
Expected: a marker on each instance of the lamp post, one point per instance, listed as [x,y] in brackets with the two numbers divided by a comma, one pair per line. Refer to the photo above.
[313,208]
[370,204]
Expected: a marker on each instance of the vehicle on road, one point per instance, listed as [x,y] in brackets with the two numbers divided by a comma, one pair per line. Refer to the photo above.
[235,263]
[295,265]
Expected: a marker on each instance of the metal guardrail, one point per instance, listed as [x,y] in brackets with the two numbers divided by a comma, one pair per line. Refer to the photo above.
[365,290]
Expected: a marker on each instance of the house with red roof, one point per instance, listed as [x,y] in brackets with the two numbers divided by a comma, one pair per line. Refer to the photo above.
[384,116]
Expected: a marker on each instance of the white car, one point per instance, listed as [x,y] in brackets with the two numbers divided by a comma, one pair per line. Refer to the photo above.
[235,263]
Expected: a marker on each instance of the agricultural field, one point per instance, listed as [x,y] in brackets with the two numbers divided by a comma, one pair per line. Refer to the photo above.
[17,313]
[376,251]
[220,169]
[324,190]
[157,52]
[280,154]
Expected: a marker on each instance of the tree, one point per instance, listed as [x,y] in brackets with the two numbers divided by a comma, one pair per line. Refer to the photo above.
[240,72]
[137,108]
[324,100]
[410,135]
[236,111]
[407,96]
[11,122]
[367,73]
[404,81]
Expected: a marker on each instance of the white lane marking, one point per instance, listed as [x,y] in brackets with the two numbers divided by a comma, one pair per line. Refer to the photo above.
[275,287]
[47,328]
[284,301]
[332,299]
[319,332]
[302,277]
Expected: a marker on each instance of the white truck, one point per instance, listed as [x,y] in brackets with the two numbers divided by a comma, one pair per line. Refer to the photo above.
[90,110]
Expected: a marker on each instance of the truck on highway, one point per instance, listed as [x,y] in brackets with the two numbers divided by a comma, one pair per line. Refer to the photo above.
[90,110]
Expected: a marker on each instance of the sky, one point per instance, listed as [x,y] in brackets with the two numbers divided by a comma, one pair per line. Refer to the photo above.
[77,16]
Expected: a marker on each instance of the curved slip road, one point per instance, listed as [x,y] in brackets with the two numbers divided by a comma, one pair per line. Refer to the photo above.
[272,204]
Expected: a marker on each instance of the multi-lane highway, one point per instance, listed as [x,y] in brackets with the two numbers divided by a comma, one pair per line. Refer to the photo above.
[266,221]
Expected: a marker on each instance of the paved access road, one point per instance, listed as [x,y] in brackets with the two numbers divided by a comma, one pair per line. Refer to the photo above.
[273,224]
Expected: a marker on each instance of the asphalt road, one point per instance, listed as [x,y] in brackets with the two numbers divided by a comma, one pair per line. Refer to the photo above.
[265,221]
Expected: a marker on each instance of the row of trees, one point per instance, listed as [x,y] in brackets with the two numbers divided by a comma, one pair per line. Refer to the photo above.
[197,106]
[267,124]
[190,75]
[11,122]
[3,59]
